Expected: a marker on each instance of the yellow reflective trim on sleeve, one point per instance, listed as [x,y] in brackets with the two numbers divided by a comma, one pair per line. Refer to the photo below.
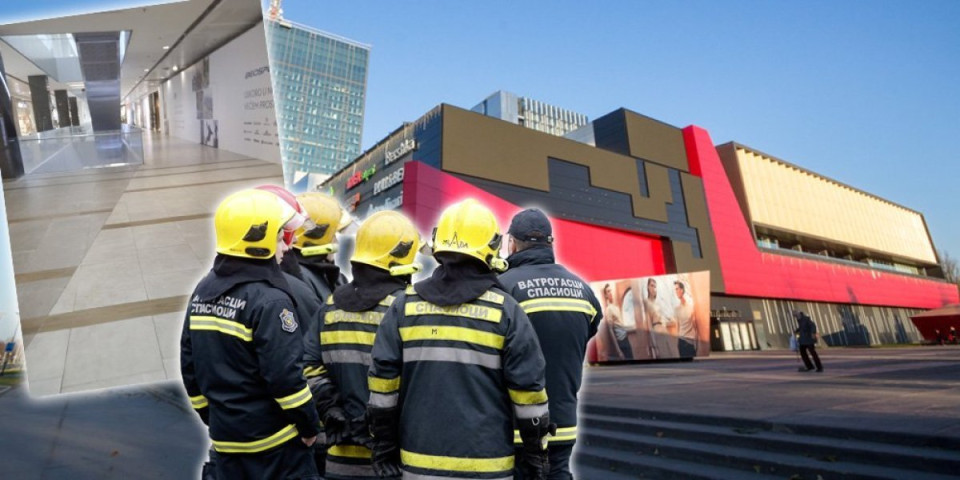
[340,316]
[287,433]
[199,402]
[347,336]
[314,371]
[222,325]
[521,397]
[410,290]
[557,304]
[295,400]
[492,297]
[329,300]
[350,451]
[467,310]
[458,334]
[387,301]
[383,385]
[456,464]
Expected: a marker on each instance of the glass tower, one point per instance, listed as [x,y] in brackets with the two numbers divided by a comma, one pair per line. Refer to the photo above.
[320,83]
[531,113]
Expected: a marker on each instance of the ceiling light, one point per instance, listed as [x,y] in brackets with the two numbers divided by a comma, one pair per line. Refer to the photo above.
[146,69]
[166,47]
[175,68]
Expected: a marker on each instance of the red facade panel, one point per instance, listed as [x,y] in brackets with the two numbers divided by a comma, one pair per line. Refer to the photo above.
[594,252]
[749,272]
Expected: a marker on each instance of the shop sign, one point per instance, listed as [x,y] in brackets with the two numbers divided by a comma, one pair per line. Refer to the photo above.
[361,176]
[388,181]
[404,148]
[391,203]
[352,202]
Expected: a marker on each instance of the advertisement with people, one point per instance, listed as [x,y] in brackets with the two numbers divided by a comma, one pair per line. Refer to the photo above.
[652,318]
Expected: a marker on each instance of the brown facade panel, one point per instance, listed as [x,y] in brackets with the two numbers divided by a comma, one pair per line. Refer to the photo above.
[698,218]
[492,149]
[728,158]
[656,141]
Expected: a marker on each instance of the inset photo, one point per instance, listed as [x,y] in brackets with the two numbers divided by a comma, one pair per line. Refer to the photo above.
[124,130]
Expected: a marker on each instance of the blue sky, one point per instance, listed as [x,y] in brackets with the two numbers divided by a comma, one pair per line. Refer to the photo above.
[864,92]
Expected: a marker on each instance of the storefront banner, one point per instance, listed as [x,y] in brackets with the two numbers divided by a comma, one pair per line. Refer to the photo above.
[652,318]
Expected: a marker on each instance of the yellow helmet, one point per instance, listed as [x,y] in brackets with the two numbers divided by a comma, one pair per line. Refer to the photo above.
[324,213]
[470,228]
[388,240]
[248,223]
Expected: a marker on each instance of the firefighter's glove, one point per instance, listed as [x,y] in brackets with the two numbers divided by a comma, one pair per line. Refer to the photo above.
[534,460]
[385,442]
[357,431]
[334,423]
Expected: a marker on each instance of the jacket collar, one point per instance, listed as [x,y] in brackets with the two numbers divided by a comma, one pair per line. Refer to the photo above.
[458,279]
[539,255]
[229,272]
[370,285]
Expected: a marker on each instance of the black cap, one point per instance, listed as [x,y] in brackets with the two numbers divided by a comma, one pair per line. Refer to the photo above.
[531,225]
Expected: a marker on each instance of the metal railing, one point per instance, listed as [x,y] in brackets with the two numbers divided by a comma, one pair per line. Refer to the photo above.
[77,148]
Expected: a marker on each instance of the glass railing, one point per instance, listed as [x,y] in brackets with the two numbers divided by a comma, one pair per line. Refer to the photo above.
[77,148]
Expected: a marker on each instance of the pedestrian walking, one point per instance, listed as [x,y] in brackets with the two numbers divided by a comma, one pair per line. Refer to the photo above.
[807,339]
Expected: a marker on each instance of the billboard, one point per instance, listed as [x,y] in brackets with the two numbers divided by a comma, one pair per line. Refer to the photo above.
[652,318]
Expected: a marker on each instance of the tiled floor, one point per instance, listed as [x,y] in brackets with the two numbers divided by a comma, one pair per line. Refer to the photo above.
[104,259]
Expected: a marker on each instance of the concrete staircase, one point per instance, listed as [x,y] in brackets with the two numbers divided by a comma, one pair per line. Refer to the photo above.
[618,443]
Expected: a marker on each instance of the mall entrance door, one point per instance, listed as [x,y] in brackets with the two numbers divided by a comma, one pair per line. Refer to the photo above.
[729,332]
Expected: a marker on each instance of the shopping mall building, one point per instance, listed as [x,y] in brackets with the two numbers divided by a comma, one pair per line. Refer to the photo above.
[632,196]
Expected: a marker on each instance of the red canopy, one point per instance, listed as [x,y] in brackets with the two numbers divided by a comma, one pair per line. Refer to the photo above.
[941,318]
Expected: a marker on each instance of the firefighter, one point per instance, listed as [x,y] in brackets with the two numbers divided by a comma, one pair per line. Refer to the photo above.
[455,363]
[337,358]
[308,303]
[307,300]
[316,243]
[240,348]
[564,312]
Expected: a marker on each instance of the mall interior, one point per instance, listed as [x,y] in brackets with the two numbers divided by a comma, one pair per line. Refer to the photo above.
[125,129]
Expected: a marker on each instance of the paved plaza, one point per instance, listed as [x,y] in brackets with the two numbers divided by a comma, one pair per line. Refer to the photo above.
[149,431]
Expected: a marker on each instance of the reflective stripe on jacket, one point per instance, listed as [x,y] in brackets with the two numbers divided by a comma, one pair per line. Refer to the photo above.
[459,374]
[240,357]
[565,314]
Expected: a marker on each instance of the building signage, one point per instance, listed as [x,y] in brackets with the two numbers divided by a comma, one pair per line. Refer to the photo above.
[391,203]
[404,148]
[352,202]
[361,176]
[388,181]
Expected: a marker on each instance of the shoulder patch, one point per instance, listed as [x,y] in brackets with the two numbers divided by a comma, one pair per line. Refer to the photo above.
[287,321]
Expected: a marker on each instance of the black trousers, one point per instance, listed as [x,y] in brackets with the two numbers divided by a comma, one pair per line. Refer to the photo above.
[686,348]
[806,360]
[559,462]
[291,461]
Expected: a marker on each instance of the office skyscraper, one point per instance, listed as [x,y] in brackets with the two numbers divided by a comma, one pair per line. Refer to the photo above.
[320,83]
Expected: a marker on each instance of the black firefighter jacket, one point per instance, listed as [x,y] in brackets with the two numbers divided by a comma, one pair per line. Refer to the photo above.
[460,359]
[338,352]
[240,358]
[565,314]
